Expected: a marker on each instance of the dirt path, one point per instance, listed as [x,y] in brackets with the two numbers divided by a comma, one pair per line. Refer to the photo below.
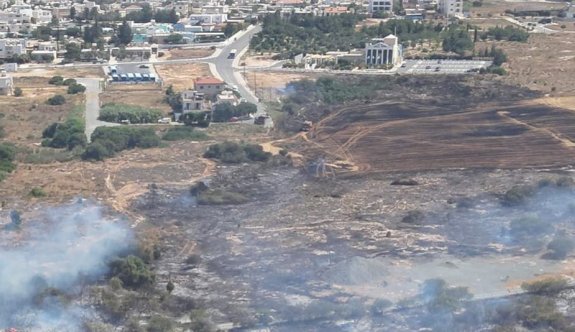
[565,141]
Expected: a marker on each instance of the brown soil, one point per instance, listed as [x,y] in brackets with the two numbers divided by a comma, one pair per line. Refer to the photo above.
[146,95]
[182,76]
[496,7]
[533,66]
[66,72]
[188,53]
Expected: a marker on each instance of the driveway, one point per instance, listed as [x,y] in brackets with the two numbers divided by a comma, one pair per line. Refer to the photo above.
[92,111]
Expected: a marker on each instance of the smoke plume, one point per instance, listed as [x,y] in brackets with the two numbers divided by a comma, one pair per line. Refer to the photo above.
[44,263]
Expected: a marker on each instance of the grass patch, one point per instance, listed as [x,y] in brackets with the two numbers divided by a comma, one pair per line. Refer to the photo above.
[184,133]
[113,112]
[48,156]
[37,192]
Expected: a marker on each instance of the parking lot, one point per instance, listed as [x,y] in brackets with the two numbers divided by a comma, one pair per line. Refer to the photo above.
[132,73]
[441,66]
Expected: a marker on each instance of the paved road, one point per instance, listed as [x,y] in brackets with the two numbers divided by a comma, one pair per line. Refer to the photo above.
[93,105]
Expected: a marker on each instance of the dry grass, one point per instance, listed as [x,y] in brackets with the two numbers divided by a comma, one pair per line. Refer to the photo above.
[182,76]
[532,65]
[67,72]
[146,95]
[193,53]
[493,8]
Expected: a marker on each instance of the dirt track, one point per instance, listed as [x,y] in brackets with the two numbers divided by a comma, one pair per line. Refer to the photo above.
[411,137]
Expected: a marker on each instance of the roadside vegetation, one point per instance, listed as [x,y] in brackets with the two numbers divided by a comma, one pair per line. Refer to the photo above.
[113,112]
[223,112]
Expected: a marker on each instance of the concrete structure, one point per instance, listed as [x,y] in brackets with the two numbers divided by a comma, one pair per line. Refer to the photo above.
[12,47]
[227,96]
[209,85]
[208,18]
[450,8]
[193,101]
[380,6]
[383,52]
[570,14]
[6,84]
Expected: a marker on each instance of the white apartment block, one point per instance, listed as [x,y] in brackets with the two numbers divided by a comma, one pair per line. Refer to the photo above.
[383,52]
[208,18]
[11,47]
[380,6]
[450,8]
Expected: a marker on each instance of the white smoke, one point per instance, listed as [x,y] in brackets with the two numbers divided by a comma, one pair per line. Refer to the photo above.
[65,246]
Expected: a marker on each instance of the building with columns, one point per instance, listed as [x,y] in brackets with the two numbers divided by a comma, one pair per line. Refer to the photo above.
[383,52]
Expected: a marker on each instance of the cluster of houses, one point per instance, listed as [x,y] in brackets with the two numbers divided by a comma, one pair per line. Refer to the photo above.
[207,92]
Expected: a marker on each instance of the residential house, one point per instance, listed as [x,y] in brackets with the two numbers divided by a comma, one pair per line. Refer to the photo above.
[332,11]
[385,6]
[227,96]
[6,84]
[12,47]
[450,8]
[193,101]
[383,52]
[210,86]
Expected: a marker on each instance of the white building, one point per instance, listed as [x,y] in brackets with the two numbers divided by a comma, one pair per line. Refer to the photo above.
[208,18]
[383,52]
[11,47]
[193,101]
[380,6]
[450,8]
[6,84]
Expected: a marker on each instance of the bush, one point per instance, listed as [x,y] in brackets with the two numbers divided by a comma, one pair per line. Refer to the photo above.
[69,134]
[7,155]
[404,182]
[413,217]
[548,286]
[517,195]
[56,80]
[69,82]
[220,197]
[75,88]
[56,100]
[112,112]
[184,133]
[230,152]
[18,92]
[106,141]
[37,192]
[132,271]
[561,246]
[530,225]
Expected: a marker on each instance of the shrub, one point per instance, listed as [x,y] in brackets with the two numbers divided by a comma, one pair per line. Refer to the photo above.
[18,92]
[184,133]
[106,141]
[37,192]
[404,182]
[69,134]
[69,82]
[76,88]
[132,271]
[220,197]
[230,152]
[112,112]
[529,225]
[547,286]
[560,246]
[7,155]
[413,217]
[56,100]
[193,260]
[517,195]
[56,80]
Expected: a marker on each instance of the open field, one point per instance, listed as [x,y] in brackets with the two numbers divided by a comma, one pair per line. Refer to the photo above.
[187,53]
[534,66]
[66,72]
[492,8]
[182,76]
[145,95]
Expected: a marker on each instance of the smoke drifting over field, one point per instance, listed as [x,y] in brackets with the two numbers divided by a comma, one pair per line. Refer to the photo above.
[68,246]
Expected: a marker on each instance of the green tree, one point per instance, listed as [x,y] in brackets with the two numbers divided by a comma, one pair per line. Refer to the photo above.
[174,38]
[73,52]
[18,92]
[76,88]
[132,271]
[223,112]
[56,100]
[125,34]
[245,108]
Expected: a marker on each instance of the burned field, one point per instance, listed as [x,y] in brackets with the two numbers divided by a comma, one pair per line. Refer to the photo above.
[423,132]
[304,252]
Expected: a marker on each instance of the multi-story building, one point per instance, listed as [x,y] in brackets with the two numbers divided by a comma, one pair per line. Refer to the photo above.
[450,8]
[380,6]
[208,18]
[209,85]
[11,47]
[193,101]
[383,52]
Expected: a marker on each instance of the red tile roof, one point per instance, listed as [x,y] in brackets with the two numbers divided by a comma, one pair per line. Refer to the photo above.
[208,80]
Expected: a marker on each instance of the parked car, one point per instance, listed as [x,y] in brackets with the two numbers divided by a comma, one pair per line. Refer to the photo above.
[144,66]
